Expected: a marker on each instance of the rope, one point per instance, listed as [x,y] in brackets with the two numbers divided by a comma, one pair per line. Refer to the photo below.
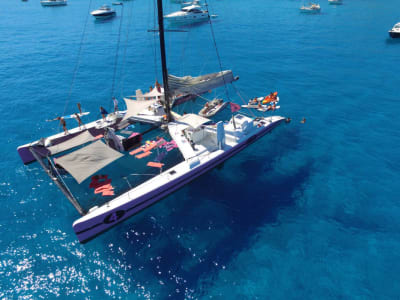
[240,96]
[78,59]
[116,57]
[155,37]
[125,50]
[216,50]
[59,176]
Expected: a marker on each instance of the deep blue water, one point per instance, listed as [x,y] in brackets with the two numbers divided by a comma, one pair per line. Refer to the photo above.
[311,211]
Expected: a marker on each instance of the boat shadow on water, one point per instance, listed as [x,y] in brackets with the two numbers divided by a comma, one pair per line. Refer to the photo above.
[188,25]
[391,41]
[107,20]
[211,220]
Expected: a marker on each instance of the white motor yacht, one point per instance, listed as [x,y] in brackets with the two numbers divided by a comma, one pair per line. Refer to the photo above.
[53,2]
[312,8]
[395,31]
[335,2]
[103,12]
[192,13]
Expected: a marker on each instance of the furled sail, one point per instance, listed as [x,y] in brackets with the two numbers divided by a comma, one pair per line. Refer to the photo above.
[198,85]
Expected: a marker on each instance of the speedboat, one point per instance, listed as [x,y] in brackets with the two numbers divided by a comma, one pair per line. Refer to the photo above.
[192,13]
[53,2]
[264,104]
[212,107]
[103,12]
[336,2]
[312,8]
[395,31]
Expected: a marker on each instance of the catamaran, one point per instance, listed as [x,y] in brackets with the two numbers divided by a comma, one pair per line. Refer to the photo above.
[88,151]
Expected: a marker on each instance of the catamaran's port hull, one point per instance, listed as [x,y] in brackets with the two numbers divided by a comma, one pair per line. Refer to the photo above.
[95,223]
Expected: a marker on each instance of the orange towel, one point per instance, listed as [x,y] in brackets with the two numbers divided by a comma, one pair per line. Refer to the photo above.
[98,136]
[155,164]
[137,150]
[139,156]
[108,193]
[100,189]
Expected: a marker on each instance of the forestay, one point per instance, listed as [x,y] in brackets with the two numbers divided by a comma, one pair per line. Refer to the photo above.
[88,160]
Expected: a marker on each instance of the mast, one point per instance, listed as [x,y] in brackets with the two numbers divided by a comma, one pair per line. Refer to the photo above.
[167,105]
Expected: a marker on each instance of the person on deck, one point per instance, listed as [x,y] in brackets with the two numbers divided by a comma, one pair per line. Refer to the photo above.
[103,112]
[115,101]
[80,123]
[79,107]
[64,124]
[158,86]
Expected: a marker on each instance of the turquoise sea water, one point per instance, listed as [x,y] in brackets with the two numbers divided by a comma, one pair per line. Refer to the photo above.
[311,211]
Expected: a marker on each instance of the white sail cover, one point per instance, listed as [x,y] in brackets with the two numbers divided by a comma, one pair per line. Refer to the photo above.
[76,141]
[198,85]
[134,107]
[88,160]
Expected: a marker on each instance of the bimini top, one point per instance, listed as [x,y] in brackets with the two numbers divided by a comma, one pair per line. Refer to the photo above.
[88,160]
[193,120]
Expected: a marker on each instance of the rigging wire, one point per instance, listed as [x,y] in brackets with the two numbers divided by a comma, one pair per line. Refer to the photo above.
[216,50]
[155,38]
[116,57]
[125,49]
[244,101]
[77,63]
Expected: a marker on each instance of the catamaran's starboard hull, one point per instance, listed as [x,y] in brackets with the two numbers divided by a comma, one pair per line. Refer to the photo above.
[110,214]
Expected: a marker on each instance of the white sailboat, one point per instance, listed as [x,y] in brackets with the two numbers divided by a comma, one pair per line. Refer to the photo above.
[202,143]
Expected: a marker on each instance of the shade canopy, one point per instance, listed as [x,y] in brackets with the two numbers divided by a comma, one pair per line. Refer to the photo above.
[88,160]
[134,107]
[76,141]
[154,93]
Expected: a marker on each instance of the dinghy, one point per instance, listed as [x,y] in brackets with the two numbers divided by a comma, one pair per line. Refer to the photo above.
[211,108]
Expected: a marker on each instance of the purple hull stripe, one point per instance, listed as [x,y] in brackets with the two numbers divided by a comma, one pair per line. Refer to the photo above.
[27,156]
[91,228]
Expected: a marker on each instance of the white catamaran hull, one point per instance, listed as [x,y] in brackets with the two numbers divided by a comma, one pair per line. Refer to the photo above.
[144,195]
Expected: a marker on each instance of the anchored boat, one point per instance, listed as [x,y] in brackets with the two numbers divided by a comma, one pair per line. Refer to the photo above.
[104,12]
[395,31]
[212,107]
[312,8]
[53,2]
